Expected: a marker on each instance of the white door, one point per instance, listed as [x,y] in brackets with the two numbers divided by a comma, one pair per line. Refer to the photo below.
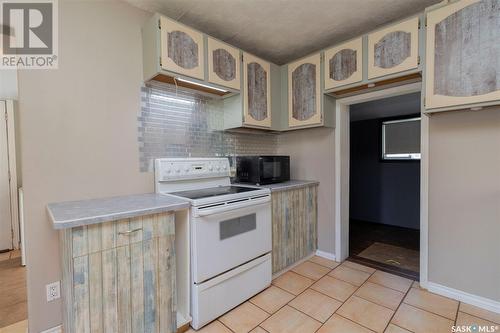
[5,213]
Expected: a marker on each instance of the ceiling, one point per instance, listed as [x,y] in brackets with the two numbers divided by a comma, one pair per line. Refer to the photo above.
[402,105]
[284,30]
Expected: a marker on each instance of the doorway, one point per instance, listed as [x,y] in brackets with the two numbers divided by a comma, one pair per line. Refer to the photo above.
[13,300]
[384,184]
[342,177]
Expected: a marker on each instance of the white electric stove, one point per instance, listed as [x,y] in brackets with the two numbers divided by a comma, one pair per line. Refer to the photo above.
[230,229]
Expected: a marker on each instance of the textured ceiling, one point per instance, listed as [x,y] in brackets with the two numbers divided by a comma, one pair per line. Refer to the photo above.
[284,30]
[388,107]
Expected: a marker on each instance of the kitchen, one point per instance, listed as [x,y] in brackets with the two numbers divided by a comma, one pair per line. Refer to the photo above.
[80,140]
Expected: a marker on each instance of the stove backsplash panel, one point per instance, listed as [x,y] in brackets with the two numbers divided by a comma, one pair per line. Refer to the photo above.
[181,123]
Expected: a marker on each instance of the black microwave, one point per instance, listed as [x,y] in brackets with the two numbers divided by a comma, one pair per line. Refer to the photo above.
[261,170]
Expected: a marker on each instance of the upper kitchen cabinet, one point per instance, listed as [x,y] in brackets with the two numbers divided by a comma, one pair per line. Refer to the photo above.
[304,92]
[462,55]
[344,64]
[176,54]
[223,64]
[257,91]
[393,49]
[182,49]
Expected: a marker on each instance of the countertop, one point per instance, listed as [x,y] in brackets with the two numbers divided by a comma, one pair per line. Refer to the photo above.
[288,185]
[72,214]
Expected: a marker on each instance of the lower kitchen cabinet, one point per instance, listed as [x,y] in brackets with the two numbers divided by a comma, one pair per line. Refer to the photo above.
[295,225]
[120,276]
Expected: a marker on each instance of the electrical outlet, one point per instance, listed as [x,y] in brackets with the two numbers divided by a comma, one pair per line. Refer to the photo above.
[53,291]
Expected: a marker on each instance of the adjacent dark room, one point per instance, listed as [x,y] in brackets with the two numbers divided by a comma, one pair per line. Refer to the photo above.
[385,184]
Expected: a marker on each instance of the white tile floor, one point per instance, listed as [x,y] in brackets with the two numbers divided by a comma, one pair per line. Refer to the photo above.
[324,296]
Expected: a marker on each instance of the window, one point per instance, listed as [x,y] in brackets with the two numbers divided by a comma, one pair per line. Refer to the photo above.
[401,139]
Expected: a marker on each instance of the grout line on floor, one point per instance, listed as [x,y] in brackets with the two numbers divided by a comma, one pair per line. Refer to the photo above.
[359,324]
[437,314]
[373,301]
[399,305]
[456,314]
[335,312]
[399,327]
[378,284]
[229,328]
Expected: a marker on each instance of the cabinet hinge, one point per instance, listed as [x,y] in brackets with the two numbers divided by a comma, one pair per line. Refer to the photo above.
[419,24]
[159,24]
[241,57]
[426,21]
[160,62]
[418,60]
[424,102]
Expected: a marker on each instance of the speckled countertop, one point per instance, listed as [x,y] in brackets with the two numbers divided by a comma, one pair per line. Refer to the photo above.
[72,214]
[288,185]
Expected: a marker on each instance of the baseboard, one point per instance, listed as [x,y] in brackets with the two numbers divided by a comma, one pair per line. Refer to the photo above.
[462,296]
[57,329]
[326,255]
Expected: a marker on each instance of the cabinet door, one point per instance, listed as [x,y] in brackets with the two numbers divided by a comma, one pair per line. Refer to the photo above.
[394,49]
[344,64]
[121,288]
[257,96]
[223,64]
[463,54]
[304,100]
[295,225]
[181,49]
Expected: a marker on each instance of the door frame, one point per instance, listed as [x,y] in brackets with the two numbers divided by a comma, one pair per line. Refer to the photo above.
[342,159]
[7,106]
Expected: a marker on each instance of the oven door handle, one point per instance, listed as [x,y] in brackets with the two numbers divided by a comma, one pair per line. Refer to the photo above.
[226,208]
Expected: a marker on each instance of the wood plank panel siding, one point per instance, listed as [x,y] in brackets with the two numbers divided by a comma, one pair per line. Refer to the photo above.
[393,49]
[257,91]
[343,64]
[115,281]
[182,49]
[294,225]
[467,51]
[304,92]
[224,64]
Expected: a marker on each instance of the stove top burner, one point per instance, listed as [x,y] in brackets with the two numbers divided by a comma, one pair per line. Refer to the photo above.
[213,192]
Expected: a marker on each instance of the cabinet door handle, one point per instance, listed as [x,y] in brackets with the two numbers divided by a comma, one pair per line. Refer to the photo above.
[128,232]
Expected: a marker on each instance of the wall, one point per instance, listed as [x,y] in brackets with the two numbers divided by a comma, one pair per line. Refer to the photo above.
[312,153]
[381,192]
[79,130]
[464,201]
[79,140]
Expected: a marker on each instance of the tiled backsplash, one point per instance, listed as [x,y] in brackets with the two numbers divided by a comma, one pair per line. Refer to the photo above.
[181,123]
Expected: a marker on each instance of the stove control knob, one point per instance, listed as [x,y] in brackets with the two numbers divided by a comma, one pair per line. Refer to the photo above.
[186,169]
[225,167]
[218,167]
[178,170]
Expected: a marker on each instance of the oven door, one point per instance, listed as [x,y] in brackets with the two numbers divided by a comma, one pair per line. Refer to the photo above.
[229,235]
